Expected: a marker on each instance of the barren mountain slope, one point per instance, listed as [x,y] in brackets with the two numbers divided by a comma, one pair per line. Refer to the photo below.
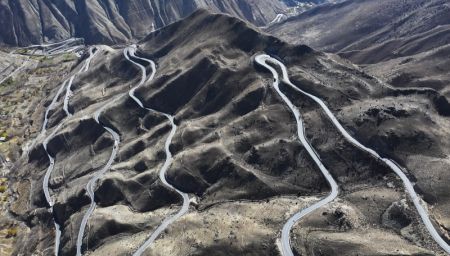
[358,24]
[24,82]
[235,152]
[426,69]
[403,42]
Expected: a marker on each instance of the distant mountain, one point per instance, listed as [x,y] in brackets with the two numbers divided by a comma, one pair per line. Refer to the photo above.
[384,34]
[292,3]
[357,24]
[113,21]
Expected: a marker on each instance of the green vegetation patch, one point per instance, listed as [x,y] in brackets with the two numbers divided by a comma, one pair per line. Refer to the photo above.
[12,232]
[7,82]
[4,134]
[22,51]
[67,57]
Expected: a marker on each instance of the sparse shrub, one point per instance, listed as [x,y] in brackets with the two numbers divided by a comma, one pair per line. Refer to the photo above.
[7,82]
[11,232]
[253,157]
[68,57]
[22,51]
[243,145]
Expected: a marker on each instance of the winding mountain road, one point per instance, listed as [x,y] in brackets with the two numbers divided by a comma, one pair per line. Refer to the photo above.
[51,166]
[14,72]
[92,52]
[90,187]
[68,95]
[52,106]
[285,234]
[58,47]
[130,52]
[263,60]
[277,19]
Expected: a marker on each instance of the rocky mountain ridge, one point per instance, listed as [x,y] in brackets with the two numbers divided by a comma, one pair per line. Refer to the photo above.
[27,22]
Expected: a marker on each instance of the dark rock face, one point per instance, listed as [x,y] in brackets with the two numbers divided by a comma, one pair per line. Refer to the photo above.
[27,22]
